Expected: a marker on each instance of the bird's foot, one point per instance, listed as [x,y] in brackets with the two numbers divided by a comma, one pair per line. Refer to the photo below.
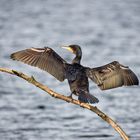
[70,96]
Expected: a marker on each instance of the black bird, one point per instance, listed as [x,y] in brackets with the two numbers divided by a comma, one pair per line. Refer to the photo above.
[106,77]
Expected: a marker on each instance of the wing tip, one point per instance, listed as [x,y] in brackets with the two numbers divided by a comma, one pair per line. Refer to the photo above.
[132,79]
[12,56]
[136,82]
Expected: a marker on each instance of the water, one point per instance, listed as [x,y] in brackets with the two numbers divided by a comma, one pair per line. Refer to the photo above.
[107,30]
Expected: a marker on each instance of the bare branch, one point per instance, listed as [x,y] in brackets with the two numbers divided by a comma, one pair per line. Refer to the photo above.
[67,99]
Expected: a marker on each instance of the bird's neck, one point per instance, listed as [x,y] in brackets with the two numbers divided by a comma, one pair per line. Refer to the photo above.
[77,59]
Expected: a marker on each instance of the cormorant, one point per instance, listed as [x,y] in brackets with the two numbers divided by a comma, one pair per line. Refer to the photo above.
[106,77]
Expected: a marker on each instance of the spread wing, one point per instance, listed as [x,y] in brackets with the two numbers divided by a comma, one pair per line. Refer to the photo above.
[43,58]
[112,75]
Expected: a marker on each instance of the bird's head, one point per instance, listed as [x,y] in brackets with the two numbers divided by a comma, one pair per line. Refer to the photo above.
[75,49]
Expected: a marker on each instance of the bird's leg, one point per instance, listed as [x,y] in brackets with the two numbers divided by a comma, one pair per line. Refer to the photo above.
[70,96]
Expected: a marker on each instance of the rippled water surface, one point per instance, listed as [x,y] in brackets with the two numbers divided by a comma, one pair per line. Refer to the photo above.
[107,30]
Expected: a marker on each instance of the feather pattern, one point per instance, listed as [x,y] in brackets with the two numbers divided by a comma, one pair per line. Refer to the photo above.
[112,75]
[43,58]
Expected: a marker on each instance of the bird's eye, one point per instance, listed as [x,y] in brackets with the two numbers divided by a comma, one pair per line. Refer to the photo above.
[74,49]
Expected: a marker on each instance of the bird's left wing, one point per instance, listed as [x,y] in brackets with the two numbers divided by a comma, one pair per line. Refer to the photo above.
[112,75]
[43,58]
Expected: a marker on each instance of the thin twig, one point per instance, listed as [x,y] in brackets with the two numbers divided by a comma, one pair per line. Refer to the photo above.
[67,99]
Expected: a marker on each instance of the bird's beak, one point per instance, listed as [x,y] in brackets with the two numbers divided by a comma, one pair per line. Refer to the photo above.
[68,48]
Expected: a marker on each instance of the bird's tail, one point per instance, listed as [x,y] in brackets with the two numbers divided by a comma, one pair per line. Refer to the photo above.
[87,98]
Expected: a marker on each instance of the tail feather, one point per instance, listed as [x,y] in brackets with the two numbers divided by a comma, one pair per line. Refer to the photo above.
[92,99]
[87,98]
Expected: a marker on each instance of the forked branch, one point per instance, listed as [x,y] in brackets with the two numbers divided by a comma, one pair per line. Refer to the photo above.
[67,99]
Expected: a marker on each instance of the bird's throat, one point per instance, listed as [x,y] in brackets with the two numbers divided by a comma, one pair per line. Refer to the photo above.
[77,59]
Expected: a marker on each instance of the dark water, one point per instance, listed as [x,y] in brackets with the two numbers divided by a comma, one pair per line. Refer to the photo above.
[107,30]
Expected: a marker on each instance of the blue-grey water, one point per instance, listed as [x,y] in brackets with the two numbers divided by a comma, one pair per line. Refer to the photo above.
[107,30]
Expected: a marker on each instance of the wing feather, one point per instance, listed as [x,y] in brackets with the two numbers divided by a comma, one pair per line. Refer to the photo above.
[43,58]
[112,75]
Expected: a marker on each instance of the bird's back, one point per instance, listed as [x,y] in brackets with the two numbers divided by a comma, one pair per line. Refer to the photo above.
[77,78]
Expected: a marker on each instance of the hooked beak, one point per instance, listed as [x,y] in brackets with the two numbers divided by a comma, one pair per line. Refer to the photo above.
[68,48]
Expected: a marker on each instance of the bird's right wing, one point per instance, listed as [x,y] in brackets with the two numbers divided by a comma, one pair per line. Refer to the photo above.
[43,58]
[112,75]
